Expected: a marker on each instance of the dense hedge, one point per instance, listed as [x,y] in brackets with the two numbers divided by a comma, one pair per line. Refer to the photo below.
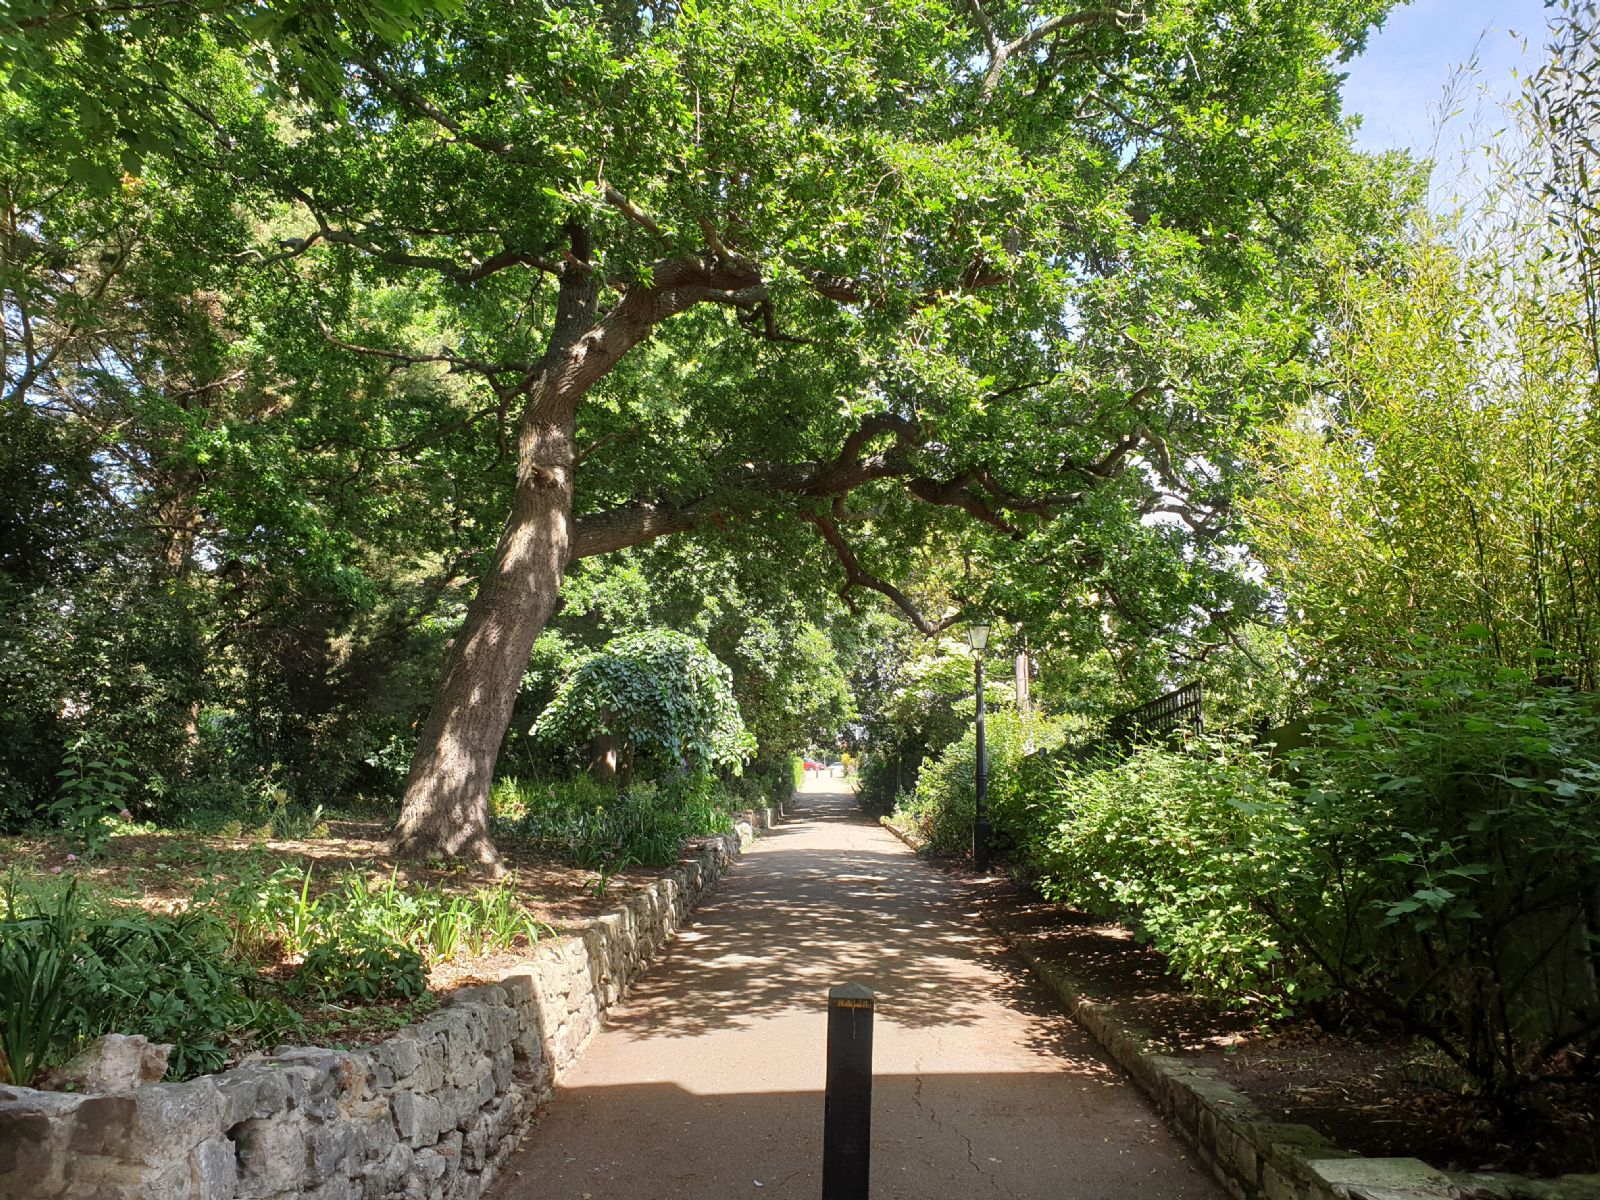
[1432,857]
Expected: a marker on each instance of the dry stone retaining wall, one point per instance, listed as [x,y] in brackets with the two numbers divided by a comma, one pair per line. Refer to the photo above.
[428,1114]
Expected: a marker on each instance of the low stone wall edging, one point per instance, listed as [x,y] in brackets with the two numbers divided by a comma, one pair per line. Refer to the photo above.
[428,1114]
[1253,1156]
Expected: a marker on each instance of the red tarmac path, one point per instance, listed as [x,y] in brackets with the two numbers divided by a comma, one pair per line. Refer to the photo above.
[708,1080]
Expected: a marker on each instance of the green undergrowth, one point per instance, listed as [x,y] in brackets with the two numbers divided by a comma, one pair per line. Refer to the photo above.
[276,912]
[598,826]
[1429,858]
[266,952]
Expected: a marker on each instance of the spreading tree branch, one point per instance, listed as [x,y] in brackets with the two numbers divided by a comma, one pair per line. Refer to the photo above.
[1000,53]
[855,576]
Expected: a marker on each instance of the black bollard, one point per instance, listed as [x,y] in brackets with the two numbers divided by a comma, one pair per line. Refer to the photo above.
[847,1106]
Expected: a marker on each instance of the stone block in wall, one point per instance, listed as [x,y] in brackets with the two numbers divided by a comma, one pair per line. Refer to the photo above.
[1380,1178]
[322,1083]
[35,1129]
[271,1156]
[387,1176]
[418,1118]
[395,1061]
[517,985]
[372,1122]
[153,1125]
[340,1187]
[214,1169]
[332,1150]
[252,1090]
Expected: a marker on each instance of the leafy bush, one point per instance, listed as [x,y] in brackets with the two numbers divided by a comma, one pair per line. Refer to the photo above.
[93,789]
[35,972]
[363,968]
[1432,857]
[925,706]
[594,825]
[939,812]
[662,694]
[1441,863]
[1170,842]
[764,784]
[68,974]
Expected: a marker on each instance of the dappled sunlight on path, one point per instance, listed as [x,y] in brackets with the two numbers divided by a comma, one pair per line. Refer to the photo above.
[709,1079]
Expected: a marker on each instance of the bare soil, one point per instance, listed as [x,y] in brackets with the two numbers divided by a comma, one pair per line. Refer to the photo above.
[1372,1091]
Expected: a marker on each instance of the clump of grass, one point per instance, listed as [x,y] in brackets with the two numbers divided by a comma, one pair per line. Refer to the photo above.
[280,912]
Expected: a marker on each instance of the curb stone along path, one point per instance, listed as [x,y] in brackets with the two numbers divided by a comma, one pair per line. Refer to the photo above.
[428,1114]
[1253,1156]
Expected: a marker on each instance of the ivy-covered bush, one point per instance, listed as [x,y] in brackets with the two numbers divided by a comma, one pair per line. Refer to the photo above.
[662,694]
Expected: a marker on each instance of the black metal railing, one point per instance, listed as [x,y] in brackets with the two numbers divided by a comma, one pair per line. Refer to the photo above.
[1182,709]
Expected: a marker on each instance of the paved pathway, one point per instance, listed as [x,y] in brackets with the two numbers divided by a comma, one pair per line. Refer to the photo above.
[708,1081]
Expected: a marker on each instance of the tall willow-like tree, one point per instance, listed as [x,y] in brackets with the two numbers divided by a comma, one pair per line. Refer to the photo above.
[854,268]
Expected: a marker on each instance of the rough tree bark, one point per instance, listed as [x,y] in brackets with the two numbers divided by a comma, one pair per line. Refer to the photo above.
[445,811]
[446,805]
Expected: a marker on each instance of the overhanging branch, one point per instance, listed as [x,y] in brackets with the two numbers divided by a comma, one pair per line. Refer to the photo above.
[855,576]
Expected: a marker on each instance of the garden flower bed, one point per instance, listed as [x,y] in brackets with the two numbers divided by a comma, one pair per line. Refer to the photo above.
[239,921]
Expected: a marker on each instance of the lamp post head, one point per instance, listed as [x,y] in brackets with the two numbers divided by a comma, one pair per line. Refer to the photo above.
[978,636]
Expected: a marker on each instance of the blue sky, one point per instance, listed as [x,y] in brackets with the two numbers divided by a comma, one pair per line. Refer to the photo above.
[1396,85]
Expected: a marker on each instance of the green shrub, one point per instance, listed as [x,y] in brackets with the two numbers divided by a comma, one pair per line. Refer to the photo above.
[68,973]
[93,788]
[595,826]
[362,968]
[1432,857]
[35,972]
[1441,863]
[939,812]
[1169,841]
[763,784]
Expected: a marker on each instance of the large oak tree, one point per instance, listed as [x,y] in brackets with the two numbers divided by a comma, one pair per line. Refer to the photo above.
[1010,274]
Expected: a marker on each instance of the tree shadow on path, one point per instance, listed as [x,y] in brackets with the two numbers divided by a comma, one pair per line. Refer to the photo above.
[830,897]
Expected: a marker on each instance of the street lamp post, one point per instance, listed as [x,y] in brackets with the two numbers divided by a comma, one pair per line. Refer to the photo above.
[978,639]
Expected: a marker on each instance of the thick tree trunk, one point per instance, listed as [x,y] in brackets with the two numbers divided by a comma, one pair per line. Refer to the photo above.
[445,811]
[446,807]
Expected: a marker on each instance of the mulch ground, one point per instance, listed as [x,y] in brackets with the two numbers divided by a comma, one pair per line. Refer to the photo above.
[161,872]
[1366,1089]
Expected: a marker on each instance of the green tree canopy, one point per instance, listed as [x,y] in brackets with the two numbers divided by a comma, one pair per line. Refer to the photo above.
[1005,279]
